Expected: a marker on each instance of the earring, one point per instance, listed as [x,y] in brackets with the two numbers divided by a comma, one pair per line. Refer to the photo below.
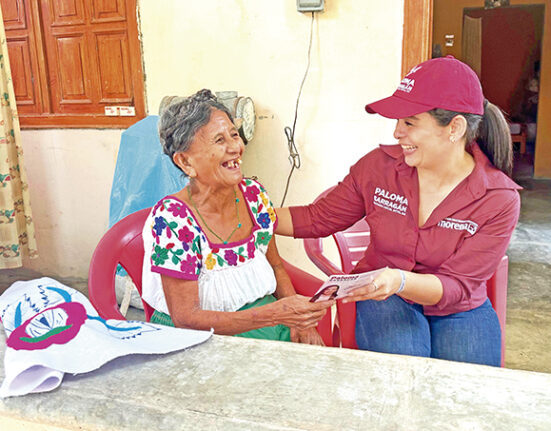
[452,139]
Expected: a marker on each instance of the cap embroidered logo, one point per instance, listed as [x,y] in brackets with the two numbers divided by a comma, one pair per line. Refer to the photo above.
[406,85]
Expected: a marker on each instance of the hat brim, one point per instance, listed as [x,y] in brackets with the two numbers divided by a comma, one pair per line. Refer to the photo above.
[396,107]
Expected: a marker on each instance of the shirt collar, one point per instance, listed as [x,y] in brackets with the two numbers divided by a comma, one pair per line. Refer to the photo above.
[396,152]
[486,176]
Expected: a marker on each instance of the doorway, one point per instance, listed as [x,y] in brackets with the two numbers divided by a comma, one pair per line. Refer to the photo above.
[442,24]
[504,46]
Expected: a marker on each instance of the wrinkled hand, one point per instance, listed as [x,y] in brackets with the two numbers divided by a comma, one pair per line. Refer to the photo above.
[308,336]
[385,285]
[298,312]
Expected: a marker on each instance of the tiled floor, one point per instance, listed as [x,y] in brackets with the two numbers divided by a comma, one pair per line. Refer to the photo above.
[528,331]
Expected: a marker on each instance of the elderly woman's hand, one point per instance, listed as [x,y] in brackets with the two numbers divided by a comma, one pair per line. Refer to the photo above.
[298,312]
[385,285]
[308,336]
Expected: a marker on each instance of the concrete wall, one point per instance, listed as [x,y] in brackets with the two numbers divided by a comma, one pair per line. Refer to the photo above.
[258,48]
[70,174]
[448,19]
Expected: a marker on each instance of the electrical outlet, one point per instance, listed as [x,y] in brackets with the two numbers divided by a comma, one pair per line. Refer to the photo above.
[310,5]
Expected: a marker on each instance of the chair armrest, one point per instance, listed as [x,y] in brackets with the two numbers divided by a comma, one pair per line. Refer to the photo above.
[314,250]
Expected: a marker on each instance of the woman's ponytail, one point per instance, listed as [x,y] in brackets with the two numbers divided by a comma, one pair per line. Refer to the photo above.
[491,132]
[494,138]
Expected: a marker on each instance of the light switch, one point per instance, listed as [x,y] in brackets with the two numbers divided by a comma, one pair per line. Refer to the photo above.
[310,5]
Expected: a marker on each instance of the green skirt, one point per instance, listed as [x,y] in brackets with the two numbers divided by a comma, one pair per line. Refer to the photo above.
[278,332]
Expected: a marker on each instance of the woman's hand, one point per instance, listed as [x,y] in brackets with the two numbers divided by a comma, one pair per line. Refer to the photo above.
[385,285]
[298,312]
[308,336]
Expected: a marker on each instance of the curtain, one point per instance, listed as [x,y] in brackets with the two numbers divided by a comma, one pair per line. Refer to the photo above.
[472,43]
[16,224]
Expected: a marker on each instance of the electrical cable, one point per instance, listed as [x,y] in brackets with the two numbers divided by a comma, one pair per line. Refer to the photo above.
[294,156]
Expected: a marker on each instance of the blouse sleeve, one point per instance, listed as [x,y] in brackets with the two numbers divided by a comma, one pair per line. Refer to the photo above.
[176,249]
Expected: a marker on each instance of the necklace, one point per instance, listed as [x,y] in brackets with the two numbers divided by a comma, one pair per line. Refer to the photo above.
[205,223]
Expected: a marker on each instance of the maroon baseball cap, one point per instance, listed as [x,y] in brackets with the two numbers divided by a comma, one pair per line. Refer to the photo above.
[444,83]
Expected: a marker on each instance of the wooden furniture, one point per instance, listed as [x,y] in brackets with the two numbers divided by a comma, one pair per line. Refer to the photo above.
[518,135]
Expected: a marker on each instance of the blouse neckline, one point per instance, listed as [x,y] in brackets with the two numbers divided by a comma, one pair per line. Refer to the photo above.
[233,244]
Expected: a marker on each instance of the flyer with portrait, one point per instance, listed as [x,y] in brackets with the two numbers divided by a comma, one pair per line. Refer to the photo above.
[338,286]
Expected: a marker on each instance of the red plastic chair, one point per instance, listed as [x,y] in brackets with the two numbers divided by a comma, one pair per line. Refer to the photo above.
[351,244]
[122,244]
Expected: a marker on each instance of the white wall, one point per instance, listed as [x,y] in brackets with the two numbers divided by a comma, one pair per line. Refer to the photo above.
[69,174]
[258,48]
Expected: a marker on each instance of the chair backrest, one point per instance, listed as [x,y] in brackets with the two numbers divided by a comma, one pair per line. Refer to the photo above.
[122,244]
[351,244]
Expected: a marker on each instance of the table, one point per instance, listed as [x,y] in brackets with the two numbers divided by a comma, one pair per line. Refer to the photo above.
[231,383]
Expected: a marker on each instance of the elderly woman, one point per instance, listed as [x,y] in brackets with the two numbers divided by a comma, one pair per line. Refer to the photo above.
[211,260]
[441,208]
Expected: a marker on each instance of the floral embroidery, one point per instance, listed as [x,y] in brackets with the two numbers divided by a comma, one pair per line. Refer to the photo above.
[230,257]
[251,193]
[263,237]
[265,200]
[159,256]
[272,214]
[210,261]
[159,226]
[263,220]
[179,240]
[185,234]
[177,209]
[250,249]
[54,325]
[187,266]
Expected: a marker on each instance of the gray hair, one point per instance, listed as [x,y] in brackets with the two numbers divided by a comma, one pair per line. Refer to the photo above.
[181,117]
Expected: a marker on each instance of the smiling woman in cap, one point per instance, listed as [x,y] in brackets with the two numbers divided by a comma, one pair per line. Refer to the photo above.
[210,257]
[441,208]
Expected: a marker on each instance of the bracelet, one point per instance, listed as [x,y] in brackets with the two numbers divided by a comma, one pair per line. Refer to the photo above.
[403,282]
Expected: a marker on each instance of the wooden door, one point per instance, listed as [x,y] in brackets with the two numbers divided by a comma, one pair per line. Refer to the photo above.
[87,54]
[24,59]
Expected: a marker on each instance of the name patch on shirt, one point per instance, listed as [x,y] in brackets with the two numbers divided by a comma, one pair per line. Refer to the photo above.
[455,224]
[390,201]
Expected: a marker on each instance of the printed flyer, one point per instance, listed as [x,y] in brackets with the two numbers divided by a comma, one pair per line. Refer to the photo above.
[338,286]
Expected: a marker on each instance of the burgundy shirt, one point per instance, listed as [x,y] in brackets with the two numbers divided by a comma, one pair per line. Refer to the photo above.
[461,243]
